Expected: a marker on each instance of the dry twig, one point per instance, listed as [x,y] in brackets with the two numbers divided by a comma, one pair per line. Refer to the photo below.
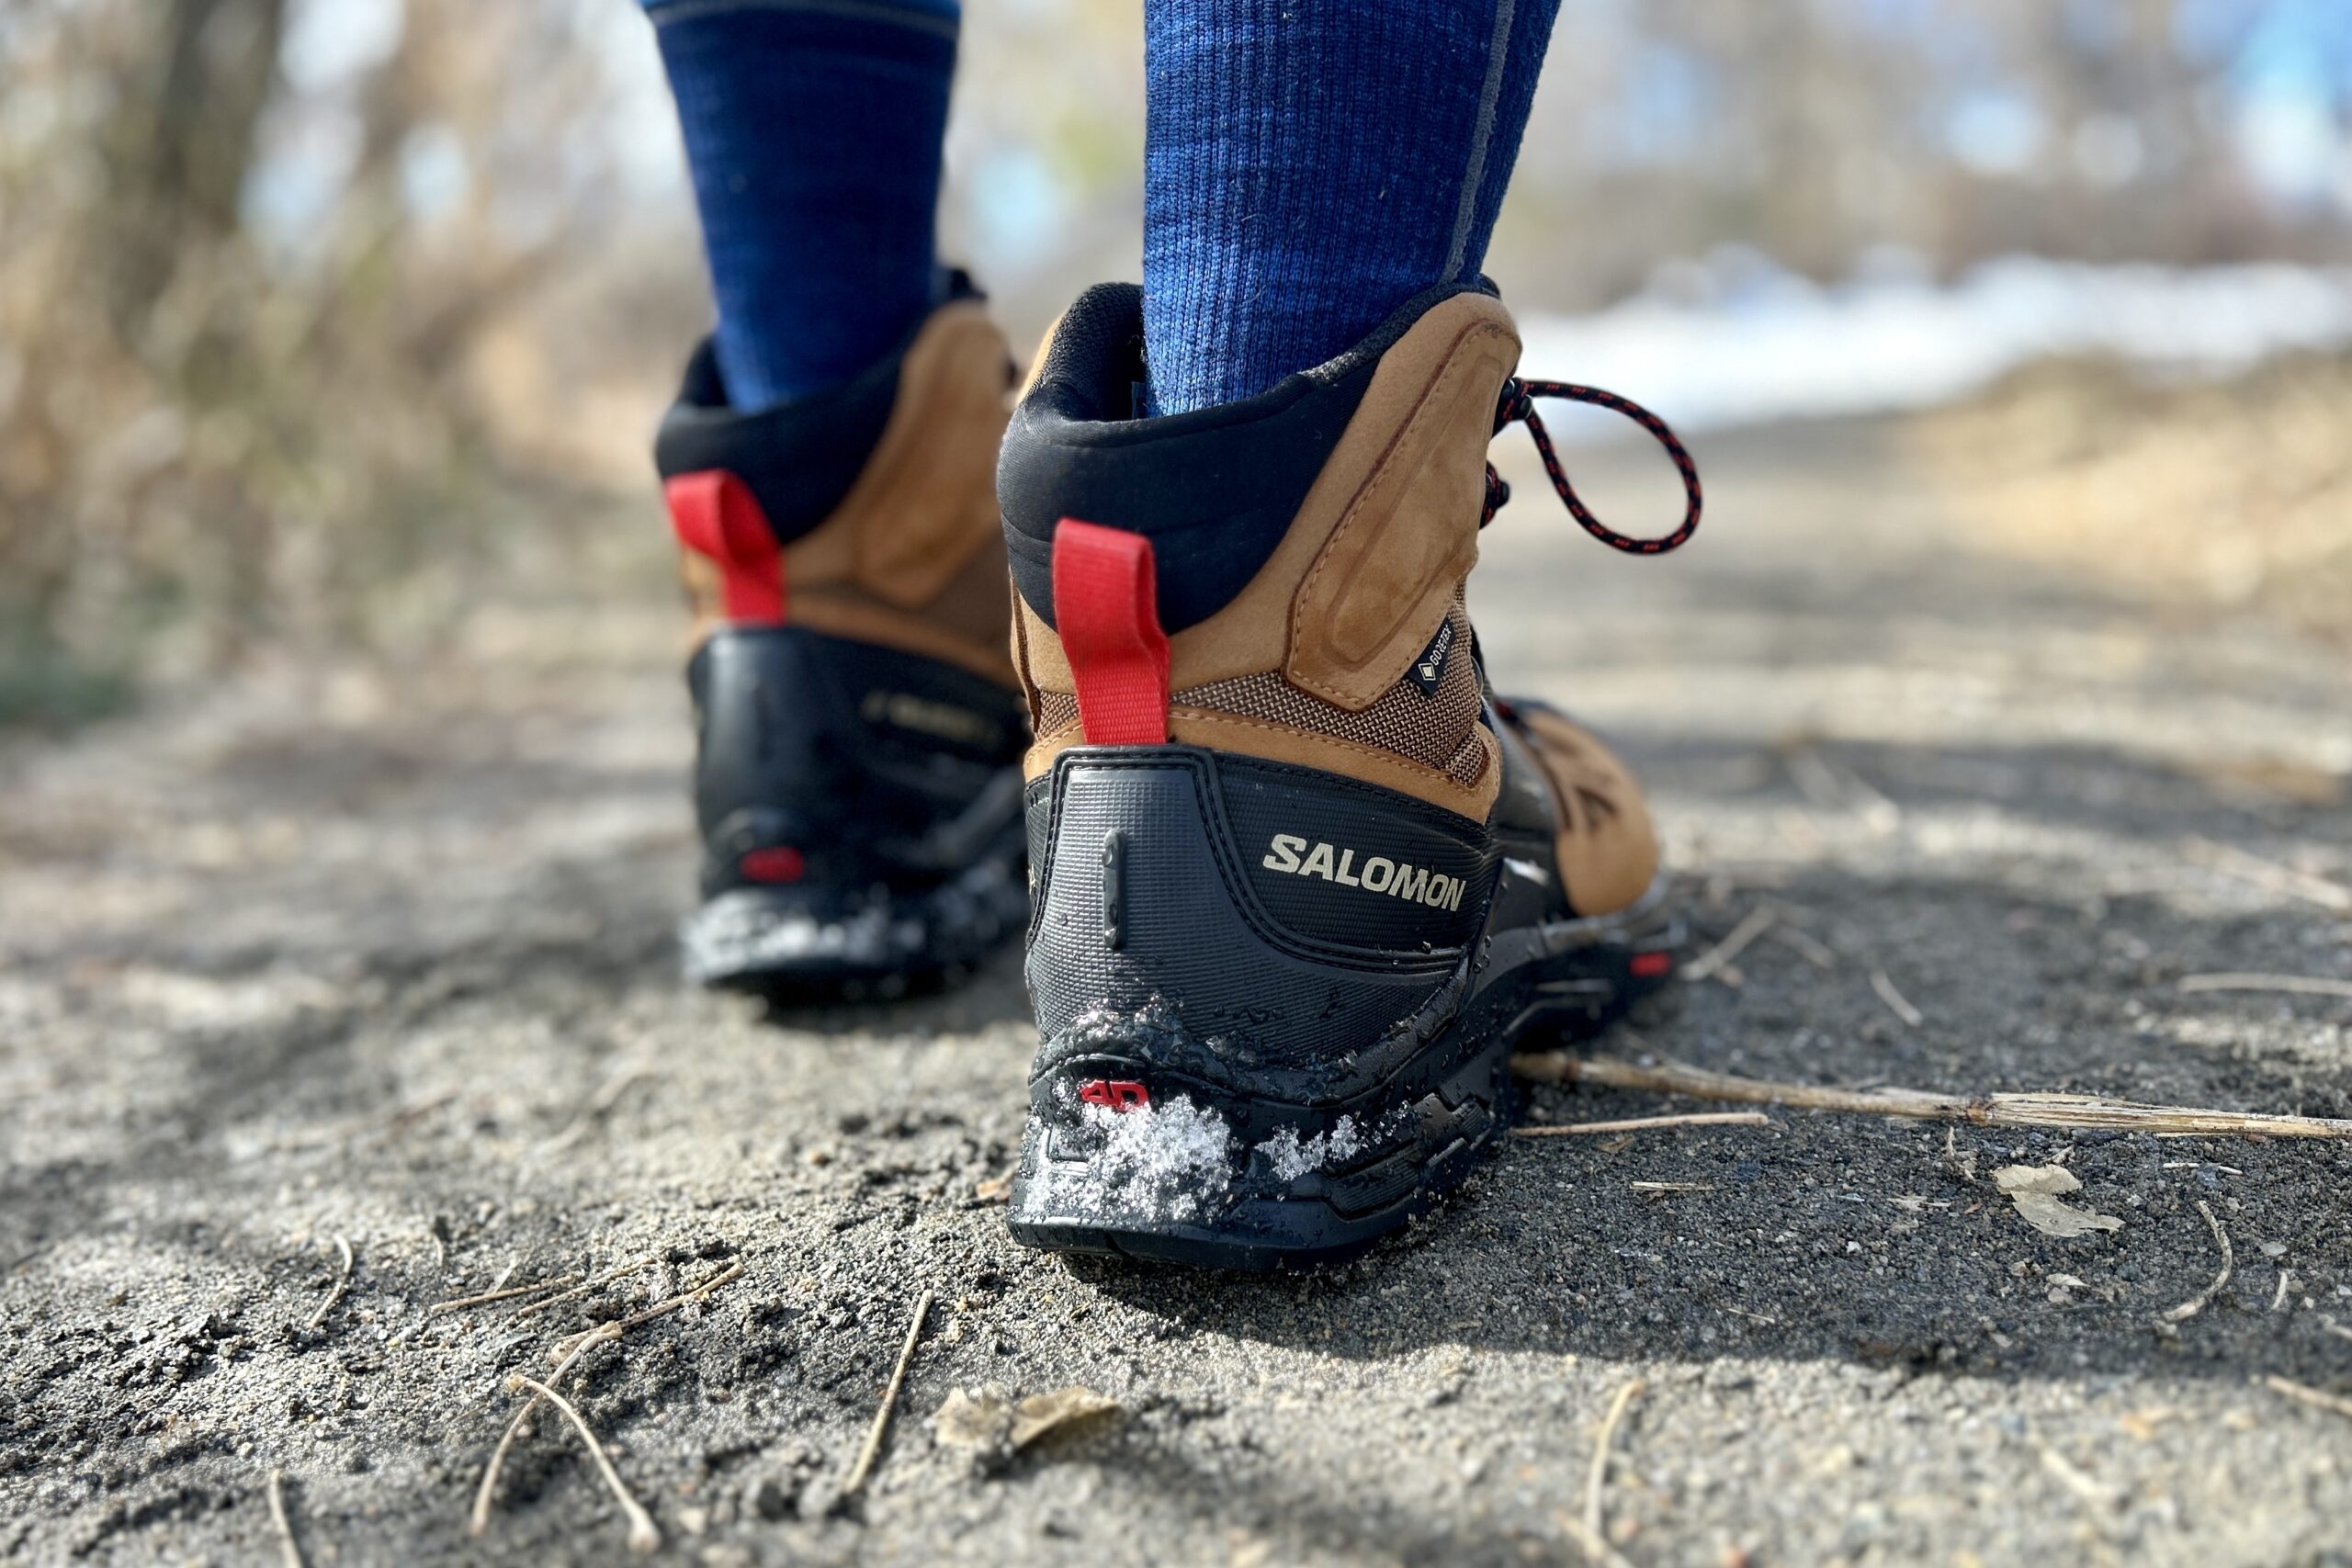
[581,1289]
[1593,1545]
[2294,985]
[2091,1490]
[1896,1002]
[1647,1124]
[642,1536]
[479,1521]
[872,1448]
[287,1546]
[618,1083]
[2317,1398]
[1596,1479]
[342,1285]
[1759,920]
[2189,1308]
[1657,1187]
[2273,877]
[1919,1105]
[659,1309]
[1814,952]
[489,1296]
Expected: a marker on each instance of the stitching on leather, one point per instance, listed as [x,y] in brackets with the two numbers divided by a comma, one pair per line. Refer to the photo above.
[1373,753]
[1456,366]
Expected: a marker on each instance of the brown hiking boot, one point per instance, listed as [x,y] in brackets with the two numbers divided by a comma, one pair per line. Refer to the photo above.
[858,720]
[1301,881]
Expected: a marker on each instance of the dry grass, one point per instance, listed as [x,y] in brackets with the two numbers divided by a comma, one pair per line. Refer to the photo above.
[2221,496]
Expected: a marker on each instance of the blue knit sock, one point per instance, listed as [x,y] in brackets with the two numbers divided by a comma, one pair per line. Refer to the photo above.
[1309,168]
[813,131]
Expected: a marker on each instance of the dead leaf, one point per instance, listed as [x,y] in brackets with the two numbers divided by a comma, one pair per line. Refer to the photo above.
[977,1418]
[986,1419]
[1042,1414]
[2035,1189]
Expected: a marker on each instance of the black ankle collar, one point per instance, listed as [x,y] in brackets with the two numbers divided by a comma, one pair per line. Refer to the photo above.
[1214,488]
[798,458]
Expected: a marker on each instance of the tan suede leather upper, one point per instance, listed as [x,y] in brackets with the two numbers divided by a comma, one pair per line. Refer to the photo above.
[1370,566]
[1607,845]
[913,557]
[1307,663]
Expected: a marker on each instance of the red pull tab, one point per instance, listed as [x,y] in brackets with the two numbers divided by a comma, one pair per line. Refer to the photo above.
[1106,608]
[717,515]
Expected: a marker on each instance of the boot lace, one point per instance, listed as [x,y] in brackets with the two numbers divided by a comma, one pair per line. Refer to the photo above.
[1517,405]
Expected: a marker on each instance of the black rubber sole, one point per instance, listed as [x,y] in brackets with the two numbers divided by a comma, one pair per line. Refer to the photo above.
[808,943]
[1204,1172]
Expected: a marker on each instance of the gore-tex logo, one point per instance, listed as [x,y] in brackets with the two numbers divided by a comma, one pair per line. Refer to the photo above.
[1115,1094]
[1429,668]
[1291,855]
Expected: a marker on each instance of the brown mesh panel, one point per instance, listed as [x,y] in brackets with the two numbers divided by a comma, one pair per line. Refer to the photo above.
[1433,730]
[1056,710]
[1469,763]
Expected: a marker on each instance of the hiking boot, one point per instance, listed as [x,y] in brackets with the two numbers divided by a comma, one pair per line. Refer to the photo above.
[859,726]
[1300,881]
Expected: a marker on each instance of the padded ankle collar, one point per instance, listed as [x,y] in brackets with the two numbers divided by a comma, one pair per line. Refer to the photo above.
[799,458]
[1215,489]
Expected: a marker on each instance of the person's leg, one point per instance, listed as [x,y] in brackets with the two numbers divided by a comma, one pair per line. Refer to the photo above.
[1309,168]
[828,465]
[813,132]
[1304,881]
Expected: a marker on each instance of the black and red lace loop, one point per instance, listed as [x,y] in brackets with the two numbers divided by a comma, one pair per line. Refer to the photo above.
[1517,404]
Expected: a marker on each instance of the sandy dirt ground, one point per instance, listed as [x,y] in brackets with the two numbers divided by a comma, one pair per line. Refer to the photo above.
[331,958]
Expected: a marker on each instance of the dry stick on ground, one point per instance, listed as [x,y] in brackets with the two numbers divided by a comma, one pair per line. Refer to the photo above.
[1919,1105]
[615,1085]
[2297,984]
[872,1445]
[1596,1479]
[642,1536]
[342,1285]
[2189,1308]
[1594,1545]
[2309,1395]
[479,1521]
[659,1309]
[287,1546]
[1817,953]
[1896,1002]
[489,1296]
[1647,1124]
[581,1289]
[2269,875]
[1758,922]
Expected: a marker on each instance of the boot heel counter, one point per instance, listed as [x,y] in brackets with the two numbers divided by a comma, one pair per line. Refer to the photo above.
[1164,892]
[818,754]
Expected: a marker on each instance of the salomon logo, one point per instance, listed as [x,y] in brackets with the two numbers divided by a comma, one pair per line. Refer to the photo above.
[1291,855]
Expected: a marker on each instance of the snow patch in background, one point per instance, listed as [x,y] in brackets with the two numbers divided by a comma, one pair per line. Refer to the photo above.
[1738,341]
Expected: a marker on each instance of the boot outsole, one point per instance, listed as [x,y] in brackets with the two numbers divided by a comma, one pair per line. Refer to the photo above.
[823,943]
[1434,1118]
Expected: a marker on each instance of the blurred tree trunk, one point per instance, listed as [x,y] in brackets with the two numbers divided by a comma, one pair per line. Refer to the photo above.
[191,109]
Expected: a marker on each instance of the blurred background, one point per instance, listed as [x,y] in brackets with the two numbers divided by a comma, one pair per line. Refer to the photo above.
[317,317]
